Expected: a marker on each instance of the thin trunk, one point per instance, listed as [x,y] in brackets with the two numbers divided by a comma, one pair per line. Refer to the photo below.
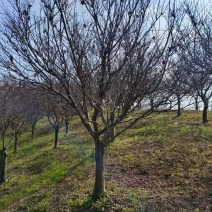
[4,177]
[67,126]
[3,140]
[112,129]
[196,103]
[99,187]
[178,107]
[16,142]
[33,131]
[56,137]
[205,113]
[151,102]
[3,166]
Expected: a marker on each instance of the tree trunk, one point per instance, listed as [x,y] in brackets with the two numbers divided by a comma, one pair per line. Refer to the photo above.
[151,102]
[16,142]
[67,126]
[178,107]
[56,137]
[205,113]
[3,166]
[112,130]
[33,131]
[3,140]
[99,187]
[196,103]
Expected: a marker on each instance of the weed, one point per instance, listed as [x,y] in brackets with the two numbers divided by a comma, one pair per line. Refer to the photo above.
[138,198]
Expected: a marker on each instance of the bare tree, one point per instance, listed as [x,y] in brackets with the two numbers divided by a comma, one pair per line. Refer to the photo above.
[35,111]
[68,114]
[20,113]
[196,52]
[53,107]
[176,84]
[6,100]
[13,113]
[6,95]
[101,64]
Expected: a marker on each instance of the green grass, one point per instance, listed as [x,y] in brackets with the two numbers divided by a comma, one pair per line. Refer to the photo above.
[160,164]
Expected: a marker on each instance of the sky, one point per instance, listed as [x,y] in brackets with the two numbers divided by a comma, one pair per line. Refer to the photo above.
[202,4]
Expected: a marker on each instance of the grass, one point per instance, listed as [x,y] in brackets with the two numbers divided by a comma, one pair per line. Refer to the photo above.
[160,164]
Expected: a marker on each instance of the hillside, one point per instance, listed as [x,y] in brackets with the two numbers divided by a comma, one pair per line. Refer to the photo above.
[160,164]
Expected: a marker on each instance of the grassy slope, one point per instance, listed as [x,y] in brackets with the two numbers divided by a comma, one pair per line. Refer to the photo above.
[161,164]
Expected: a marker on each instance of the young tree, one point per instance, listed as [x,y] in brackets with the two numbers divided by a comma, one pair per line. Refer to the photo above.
[6,95]
[68,114]
[104,63]
[35,111]
[53,106]
[176,84]
[20,113]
